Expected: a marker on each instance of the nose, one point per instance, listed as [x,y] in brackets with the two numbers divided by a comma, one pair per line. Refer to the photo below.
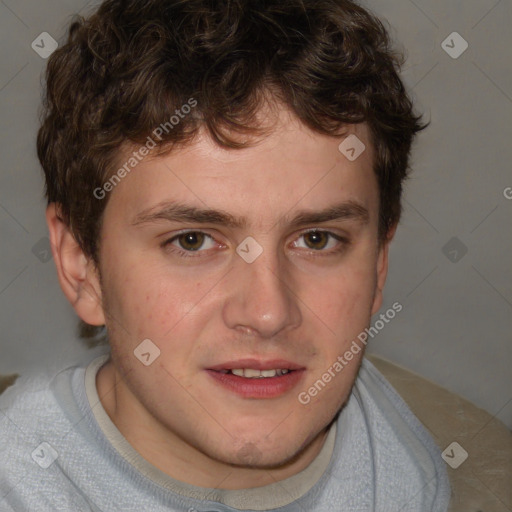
[261,301]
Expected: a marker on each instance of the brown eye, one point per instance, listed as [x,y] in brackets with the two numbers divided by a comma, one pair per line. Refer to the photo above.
[190,244]
[316,239]
[324,243]
[191,241]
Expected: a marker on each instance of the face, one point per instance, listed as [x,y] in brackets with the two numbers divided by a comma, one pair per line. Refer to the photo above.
[265,283]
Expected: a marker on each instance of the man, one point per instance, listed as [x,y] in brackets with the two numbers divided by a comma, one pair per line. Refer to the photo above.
[223,183]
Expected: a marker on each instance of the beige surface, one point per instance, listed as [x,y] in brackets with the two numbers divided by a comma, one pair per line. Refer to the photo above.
[483,482]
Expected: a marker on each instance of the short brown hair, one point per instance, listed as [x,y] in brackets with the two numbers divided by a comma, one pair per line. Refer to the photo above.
[130,65]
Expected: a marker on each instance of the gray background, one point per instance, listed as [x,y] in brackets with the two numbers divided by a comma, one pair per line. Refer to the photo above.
[455,327]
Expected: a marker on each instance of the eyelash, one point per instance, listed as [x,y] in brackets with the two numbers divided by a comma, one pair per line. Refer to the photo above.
[196,254]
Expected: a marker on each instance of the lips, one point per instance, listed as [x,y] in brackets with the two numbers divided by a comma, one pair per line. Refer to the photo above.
[258,380]
[256,364]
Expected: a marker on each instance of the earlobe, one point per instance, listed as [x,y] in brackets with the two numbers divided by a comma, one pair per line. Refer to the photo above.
[78,276]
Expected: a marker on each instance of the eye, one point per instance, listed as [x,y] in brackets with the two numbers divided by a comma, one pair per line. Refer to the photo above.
[319,240]
[190,241]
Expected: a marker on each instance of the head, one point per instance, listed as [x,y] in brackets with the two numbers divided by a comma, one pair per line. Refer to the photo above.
[225,120]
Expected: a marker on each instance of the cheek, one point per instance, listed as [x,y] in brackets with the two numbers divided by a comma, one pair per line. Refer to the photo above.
[136,295]
[343,300]
[154,306]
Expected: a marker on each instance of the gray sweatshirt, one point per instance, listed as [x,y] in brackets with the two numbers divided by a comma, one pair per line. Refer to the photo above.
[59,451]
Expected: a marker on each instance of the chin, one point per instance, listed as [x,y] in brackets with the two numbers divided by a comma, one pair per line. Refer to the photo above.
[254,451]
[250,455]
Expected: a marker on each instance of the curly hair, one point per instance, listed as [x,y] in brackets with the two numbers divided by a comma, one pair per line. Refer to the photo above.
[132,63]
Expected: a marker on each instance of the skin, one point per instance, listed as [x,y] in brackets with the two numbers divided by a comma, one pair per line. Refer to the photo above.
[299,302]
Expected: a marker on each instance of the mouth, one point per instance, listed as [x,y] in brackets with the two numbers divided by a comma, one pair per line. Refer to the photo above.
[250,378]
[251,373]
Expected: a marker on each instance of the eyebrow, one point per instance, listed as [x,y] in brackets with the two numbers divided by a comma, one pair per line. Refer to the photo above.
[178,212]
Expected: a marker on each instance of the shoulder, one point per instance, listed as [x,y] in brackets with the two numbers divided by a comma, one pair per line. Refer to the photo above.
[21,402]
[31,420]
[404,444]
[28,411]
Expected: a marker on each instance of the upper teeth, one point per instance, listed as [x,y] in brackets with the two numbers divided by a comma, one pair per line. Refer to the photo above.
[254,374]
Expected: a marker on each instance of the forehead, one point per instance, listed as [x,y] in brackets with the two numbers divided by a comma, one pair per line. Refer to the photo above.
[290,168]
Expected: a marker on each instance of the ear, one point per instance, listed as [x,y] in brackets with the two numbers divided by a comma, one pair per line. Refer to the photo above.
[382,269]
[78,276]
